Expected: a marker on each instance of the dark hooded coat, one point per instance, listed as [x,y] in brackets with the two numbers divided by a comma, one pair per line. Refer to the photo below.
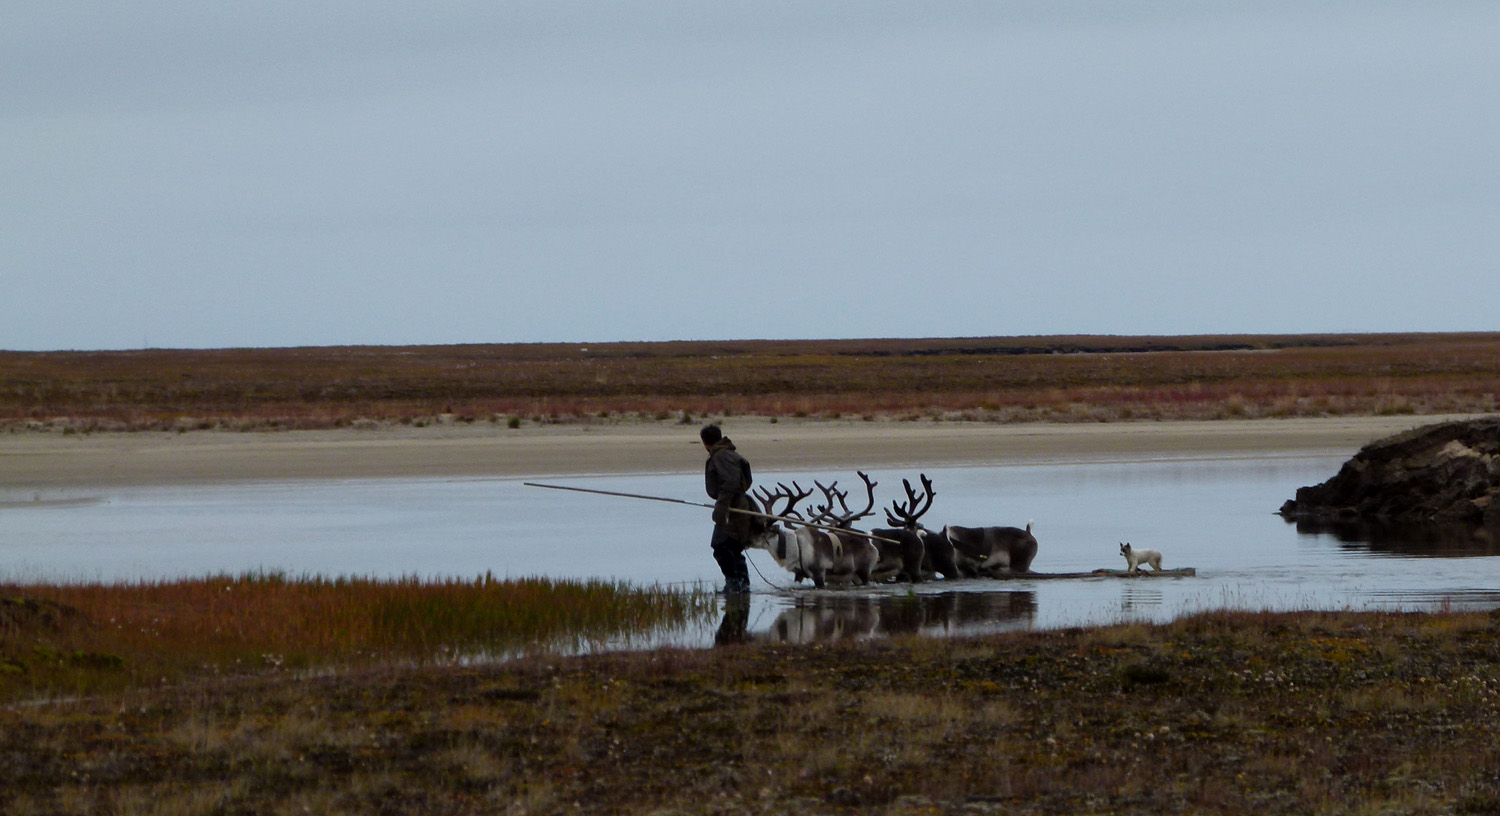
[726,477]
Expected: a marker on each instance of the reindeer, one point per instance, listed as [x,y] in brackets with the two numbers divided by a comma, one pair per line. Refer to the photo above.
[910,560]
[808,552]
[906,558]
[804,551]
[992,550]
[858,555]
[899,559]
[902,560]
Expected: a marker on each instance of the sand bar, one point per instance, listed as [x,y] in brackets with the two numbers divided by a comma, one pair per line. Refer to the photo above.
[37,461]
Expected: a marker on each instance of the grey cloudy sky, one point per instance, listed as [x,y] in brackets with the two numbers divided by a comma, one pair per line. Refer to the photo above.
[190,174]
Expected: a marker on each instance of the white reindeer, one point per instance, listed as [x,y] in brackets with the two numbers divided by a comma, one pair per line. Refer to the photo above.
[804,552]
[1135,558]
[841,554]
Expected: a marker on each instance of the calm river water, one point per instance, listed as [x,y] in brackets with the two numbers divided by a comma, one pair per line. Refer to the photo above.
[1216,515]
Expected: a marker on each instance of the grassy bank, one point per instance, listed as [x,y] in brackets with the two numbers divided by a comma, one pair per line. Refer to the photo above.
[1000,379]
[1224,713]
[79,639]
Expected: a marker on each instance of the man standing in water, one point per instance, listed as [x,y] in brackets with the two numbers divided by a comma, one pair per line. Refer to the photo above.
[727,478]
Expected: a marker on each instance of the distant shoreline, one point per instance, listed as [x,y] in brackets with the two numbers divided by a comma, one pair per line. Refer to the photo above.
[50,462]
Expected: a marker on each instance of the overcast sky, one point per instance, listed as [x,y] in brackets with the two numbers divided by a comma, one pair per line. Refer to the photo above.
[207,174]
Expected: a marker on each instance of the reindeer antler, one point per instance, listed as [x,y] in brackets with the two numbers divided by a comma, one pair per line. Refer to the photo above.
[793,495]
[824,512]
[907,513]
[869,495]
[847,517]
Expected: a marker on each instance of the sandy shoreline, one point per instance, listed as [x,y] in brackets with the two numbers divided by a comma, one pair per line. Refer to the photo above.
[52,461]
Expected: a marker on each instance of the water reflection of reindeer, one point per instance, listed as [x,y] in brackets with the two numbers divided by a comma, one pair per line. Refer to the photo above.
[822,618]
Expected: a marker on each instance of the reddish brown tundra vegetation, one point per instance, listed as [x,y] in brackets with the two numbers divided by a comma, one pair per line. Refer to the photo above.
[1000,379]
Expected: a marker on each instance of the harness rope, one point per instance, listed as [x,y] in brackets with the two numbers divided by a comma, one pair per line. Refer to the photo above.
[786,590]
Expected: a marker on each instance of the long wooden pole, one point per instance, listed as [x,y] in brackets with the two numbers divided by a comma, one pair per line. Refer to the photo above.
[786,519]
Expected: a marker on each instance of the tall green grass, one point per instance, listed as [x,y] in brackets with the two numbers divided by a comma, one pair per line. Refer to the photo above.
[78,638]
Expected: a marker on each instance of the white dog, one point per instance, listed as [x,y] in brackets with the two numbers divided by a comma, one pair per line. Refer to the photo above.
[1135,558]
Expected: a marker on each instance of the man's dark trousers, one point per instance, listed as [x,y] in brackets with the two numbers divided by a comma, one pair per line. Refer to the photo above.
[731,557]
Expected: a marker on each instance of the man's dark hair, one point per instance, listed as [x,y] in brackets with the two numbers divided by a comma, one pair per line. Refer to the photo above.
[710,434]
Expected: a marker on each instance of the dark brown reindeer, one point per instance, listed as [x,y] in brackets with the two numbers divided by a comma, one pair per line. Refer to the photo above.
[993,549]
[939,555]
[922,553]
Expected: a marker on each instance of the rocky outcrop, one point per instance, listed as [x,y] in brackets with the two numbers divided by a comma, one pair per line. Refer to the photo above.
[1447,474]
